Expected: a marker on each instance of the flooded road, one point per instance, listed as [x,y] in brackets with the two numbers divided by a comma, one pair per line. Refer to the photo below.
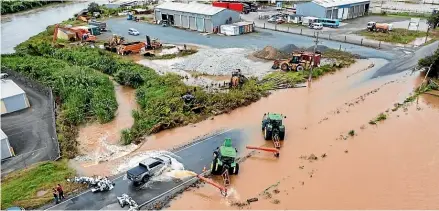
[387,166]
[22,26]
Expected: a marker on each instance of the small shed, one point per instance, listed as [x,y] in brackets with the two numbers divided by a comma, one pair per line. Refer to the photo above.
[66,35]
[294,18]
[6,149]
[13,97]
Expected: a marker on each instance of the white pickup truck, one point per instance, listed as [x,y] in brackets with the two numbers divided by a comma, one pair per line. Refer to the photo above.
[148,168]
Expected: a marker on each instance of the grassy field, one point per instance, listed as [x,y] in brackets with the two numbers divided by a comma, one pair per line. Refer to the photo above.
[31,188]
[402,36]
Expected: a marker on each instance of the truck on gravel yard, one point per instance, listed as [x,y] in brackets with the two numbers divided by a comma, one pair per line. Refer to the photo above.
[148,168]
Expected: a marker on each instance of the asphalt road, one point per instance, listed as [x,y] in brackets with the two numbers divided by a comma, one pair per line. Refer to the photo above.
[257,40]
[194,157]
[30,132]
[406,62]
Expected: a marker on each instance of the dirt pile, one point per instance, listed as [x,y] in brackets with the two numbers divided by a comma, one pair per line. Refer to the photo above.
[270,53]
[288,49]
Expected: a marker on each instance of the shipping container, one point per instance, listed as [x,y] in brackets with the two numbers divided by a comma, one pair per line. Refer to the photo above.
[236,7]
[229,30]
[220,4]
[244,27]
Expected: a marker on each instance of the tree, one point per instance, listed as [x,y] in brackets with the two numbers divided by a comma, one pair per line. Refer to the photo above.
[433,20]
[93,7]
[432,60]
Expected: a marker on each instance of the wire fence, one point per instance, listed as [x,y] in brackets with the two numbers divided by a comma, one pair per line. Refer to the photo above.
[327,35]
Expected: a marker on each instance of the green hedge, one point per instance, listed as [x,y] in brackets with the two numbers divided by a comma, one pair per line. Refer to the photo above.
[8,7]
[83,91]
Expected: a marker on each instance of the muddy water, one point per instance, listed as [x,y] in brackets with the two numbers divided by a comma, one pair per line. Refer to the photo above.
[389,166]
[91,135]
[22,26]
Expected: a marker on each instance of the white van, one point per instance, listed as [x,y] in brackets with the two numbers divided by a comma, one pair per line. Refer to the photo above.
[317,26]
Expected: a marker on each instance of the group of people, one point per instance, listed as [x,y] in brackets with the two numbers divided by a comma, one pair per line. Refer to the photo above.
[58,193]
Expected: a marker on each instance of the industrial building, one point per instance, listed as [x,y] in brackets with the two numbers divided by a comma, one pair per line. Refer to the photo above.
[334,9]
[5,147]
[195,16]
[13,98]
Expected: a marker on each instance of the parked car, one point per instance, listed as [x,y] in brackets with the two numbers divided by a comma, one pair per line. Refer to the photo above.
[280,20]
[134,32]
[272,20]
[317,26]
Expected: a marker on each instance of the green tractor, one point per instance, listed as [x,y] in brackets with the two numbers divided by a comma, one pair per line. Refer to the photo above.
[224,159]
[273,127]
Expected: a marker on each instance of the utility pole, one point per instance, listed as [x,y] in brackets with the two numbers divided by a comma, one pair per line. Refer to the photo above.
[426,36]
[312,59]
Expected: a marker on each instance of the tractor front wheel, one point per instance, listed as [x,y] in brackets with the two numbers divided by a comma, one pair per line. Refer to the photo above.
[299,68]
[235,170]
[284,67]
[267,134]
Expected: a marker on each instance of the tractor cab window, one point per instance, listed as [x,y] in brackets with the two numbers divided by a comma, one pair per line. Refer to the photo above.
[294,60]
[276,122]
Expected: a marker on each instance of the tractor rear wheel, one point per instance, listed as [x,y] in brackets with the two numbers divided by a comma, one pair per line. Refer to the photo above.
[214,168]
[236,169]
[299,68]
[267,134]
[284,67]
[281,136]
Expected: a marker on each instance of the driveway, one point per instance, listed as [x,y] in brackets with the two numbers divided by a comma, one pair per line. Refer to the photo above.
[30,132]
[194,157]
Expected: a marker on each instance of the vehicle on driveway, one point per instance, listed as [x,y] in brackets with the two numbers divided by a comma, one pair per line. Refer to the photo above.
[148,168]
[317,26]
[134,32]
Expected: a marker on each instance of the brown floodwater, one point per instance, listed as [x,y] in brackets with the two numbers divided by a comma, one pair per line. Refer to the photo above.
[91,135]
[393,165]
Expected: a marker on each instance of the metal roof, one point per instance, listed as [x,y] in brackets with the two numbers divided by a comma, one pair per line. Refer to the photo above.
[196,8]
[9,89]
[335,3]
[3,135]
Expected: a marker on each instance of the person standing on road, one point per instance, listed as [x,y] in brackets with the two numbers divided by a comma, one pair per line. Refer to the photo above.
[55,195]
[60,192]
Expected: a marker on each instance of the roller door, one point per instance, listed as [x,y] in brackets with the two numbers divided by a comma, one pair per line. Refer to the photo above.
[200,24]
[177,20]
[208,24]
[184,22]
[192,24]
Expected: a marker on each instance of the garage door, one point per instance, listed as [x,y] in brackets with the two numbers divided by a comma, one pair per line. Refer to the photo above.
[15,103]
[209,26]
[192,25]
[177,20]
[200,24]
[184,22]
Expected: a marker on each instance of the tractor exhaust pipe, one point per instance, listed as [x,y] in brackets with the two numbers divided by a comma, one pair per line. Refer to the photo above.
[267,149]
[209,181]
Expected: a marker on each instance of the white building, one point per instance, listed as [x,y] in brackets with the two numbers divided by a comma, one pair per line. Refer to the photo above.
[334,9]
[195,16]
[13,98]
[5,147]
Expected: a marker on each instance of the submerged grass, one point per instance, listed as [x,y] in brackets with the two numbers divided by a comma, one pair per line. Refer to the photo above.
[20,188]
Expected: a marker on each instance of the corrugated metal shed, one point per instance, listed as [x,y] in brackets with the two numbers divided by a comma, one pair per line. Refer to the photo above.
[5,147]
[194,8]
[336,3]
[9,89]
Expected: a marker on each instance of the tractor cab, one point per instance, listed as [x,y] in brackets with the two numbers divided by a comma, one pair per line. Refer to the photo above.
[272,125]
[295,59]
[224,158]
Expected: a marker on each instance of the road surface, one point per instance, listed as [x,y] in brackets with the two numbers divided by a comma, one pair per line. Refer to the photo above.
[194,157]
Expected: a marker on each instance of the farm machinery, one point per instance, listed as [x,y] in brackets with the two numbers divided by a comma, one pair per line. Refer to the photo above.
[379,27]
[224,161]
[273,128]
[73,34]
[299,62]
[237,79]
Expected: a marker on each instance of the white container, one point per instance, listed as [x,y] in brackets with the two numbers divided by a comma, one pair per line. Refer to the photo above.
[229,30]
[308,20]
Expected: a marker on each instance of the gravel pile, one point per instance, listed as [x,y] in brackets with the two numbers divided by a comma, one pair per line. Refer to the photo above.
[270,53]
[288,49]
[218,62]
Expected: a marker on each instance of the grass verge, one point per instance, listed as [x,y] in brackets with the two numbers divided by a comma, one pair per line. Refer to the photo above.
[32,187]
[402,36]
